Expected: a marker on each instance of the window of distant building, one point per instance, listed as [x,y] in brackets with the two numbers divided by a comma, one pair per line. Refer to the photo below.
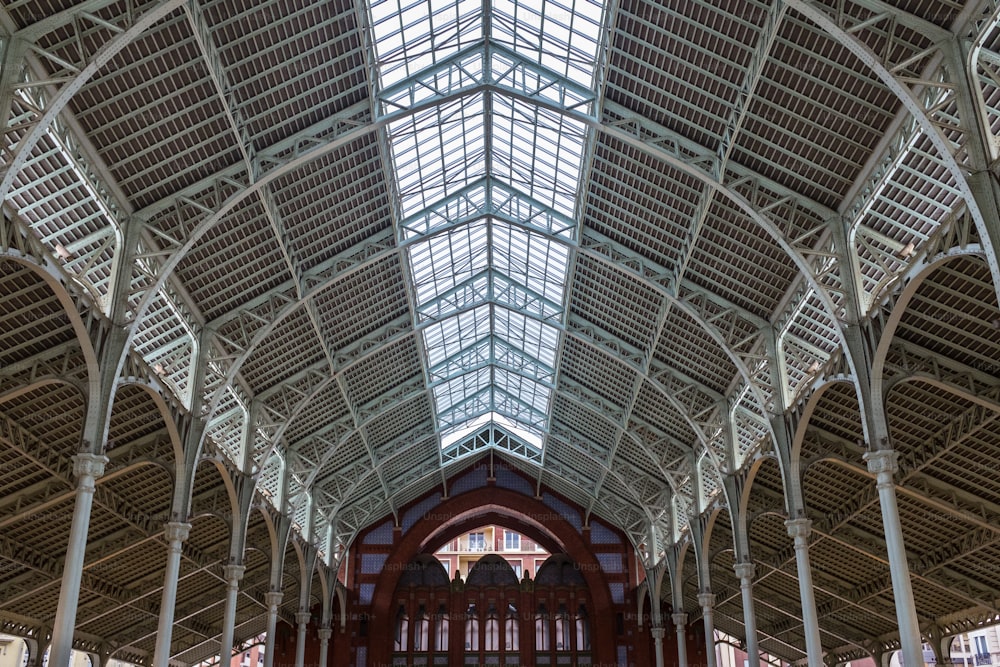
[511,541]
[402,630]
[421,629]
[472,629]
[541,629]
[562,629]
[492,630]
[441,630]
[512,633]
[477,542]
[582,630]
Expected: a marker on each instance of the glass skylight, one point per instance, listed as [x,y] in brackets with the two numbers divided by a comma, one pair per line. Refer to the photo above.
[411,35]
[488,186]
[560,36]
[537,152]
[438,151]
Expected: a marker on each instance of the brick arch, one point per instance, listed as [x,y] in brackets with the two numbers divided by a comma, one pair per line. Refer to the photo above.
[528,516]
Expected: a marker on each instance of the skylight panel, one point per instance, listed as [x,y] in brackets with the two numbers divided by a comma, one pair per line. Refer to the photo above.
[473,292]
[538,152]
[537,339]
[527,390]
[455,390]
[480,354]
[449,337]
[438,151]
[473,407]
[517,361]
[448,259]
[560,35]
[516,297]
[532,260]
[487,185]
[466,71]
[517,409]
[415,34]
[466,204]
[513,205]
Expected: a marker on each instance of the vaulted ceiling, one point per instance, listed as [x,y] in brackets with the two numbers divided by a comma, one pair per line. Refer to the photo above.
[609,242]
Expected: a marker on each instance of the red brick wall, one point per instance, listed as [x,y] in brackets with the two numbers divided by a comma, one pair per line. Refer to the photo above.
[369,627]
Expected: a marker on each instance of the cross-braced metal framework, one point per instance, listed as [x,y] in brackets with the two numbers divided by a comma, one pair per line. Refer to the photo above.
[684,263]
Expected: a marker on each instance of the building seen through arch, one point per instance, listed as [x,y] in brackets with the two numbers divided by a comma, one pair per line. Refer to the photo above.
[524,555]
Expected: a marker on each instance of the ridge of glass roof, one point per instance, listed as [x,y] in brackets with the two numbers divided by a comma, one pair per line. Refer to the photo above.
[411,35]
[487,187]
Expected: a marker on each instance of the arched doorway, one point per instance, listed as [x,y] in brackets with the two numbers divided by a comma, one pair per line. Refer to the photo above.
[410,594]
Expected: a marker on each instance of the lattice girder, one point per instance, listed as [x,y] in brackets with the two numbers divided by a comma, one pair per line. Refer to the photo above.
[356,425]
[118,31]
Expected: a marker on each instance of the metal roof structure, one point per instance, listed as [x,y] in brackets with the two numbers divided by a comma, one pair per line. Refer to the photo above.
[670,259]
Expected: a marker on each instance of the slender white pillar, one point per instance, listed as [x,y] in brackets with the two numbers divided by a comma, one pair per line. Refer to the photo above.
[302,621]
[233,575]
[799,530]
[746,572]
[324,645]
[272,599]
[87,468]
[176,533]
[658,634]
[680,624]
[883,464]
[707,602]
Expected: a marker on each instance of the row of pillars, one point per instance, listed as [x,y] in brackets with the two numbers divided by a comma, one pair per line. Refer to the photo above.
[883,465]
[799,530]
[88,468]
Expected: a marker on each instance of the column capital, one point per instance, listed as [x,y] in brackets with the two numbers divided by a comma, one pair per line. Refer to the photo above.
[302,617]
[233,573]
[324,634]
[89,465]
[273,598]
[706,600]
[680,619]
[176,531]
[882,461]
[745,571]
[799,528]
[657,633]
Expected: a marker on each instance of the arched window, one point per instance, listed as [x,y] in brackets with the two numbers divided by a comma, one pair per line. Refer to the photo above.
[582,629]
[562,629]
[420,631]
[541,629]
[402,630]
[512,634]
[471,629]
[441,630]
[492,630]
